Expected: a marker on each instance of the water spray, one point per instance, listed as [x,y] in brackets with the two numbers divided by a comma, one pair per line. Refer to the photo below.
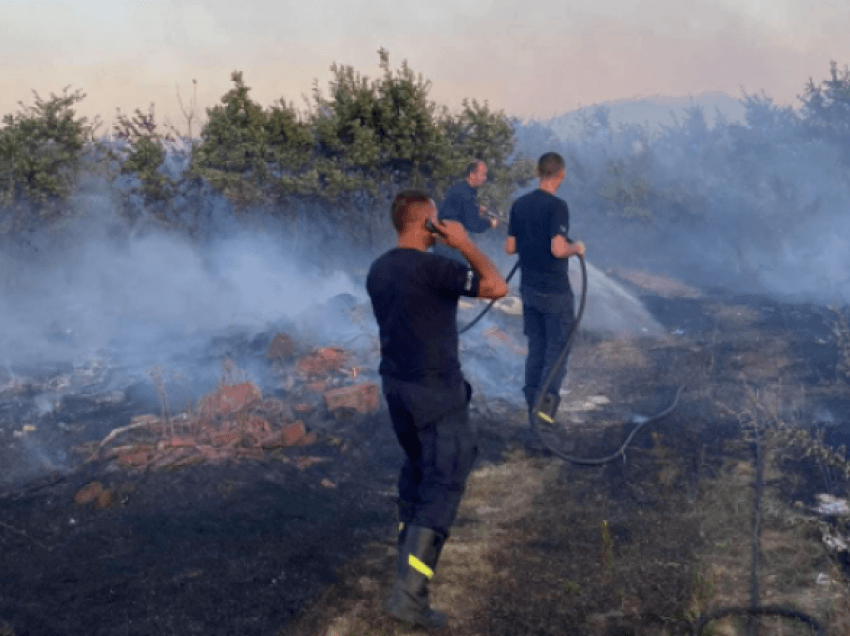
[546,406]
[545,409]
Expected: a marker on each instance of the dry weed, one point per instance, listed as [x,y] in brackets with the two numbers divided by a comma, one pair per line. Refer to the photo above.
[841,335]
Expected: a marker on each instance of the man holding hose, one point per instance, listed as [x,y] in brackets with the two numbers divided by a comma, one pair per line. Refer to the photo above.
[538,231]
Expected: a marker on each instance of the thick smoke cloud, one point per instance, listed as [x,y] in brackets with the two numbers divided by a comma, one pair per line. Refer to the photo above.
[759,207]
[145,298]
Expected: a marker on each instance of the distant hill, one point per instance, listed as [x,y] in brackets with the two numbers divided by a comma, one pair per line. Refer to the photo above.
[651,112]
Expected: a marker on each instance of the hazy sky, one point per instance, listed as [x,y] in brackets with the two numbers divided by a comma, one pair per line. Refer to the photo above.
[532,59]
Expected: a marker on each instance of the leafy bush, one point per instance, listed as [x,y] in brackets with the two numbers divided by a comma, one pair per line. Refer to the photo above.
[41,154]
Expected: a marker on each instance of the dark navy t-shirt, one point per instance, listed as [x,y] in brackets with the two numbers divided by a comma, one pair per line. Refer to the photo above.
[414,296]
[535,219]
[461,205]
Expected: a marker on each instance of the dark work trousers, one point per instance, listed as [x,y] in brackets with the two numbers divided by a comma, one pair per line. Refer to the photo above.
[547,321]
[433,428]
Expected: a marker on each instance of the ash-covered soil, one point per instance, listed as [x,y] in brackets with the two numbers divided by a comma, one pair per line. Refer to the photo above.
[230,549]
[268,547]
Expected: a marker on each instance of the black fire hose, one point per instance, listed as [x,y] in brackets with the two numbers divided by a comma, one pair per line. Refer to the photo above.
[755,610]
[545,406]
[490,304]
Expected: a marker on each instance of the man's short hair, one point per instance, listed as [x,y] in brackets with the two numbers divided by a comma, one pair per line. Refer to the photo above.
[404,207]
[550,164]
[472,166]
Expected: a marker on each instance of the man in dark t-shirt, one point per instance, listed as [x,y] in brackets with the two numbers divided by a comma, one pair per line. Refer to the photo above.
[414,297]
[461,205]
[538,231]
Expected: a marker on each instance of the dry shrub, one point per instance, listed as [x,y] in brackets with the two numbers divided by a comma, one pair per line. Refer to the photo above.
[841,335]
[795,570]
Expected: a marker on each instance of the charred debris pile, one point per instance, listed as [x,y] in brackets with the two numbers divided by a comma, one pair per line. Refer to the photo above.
[279,388]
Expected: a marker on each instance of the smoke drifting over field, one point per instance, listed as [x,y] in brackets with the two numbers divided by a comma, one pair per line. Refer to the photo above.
[759,207]
[740,208]
[150,295]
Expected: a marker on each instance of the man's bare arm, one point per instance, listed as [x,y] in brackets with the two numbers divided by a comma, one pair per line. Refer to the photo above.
[561,248]
[491,284]
[510,245]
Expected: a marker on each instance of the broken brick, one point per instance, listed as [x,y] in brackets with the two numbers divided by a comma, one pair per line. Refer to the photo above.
[121,450]
[104,500]
[189,460]
[282,347]
[363,398]
[230,398]
[258,429]
[322,361]
[88,493]
[292,435]
[302,408]
[214,455]
[138,457]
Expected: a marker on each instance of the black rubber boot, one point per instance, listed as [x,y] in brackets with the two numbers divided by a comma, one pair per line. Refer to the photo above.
[406,513]
[401,566]
[408,600]
[548,409]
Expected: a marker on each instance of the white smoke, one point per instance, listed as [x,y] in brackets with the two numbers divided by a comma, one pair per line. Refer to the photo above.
[149,295]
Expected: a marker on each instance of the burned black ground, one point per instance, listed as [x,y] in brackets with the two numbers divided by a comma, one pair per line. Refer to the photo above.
[265,548]
[225,549]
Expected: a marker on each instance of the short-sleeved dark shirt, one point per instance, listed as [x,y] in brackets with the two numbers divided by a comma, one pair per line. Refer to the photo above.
[414,296]
[461,205]
[535,219]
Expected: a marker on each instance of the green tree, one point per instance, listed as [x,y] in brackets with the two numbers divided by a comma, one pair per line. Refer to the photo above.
[254,155]
[828,103]
[41,154]
[477,132]
[231,156]
[374,137]
[353,148]
[141,153]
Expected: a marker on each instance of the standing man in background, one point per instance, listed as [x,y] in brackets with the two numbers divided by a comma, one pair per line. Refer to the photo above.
[538,231]
[461,205]
[414,297]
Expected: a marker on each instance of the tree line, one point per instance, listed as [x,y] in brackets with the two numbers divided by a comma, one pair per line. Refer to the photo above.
[341,157]
[335,163]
